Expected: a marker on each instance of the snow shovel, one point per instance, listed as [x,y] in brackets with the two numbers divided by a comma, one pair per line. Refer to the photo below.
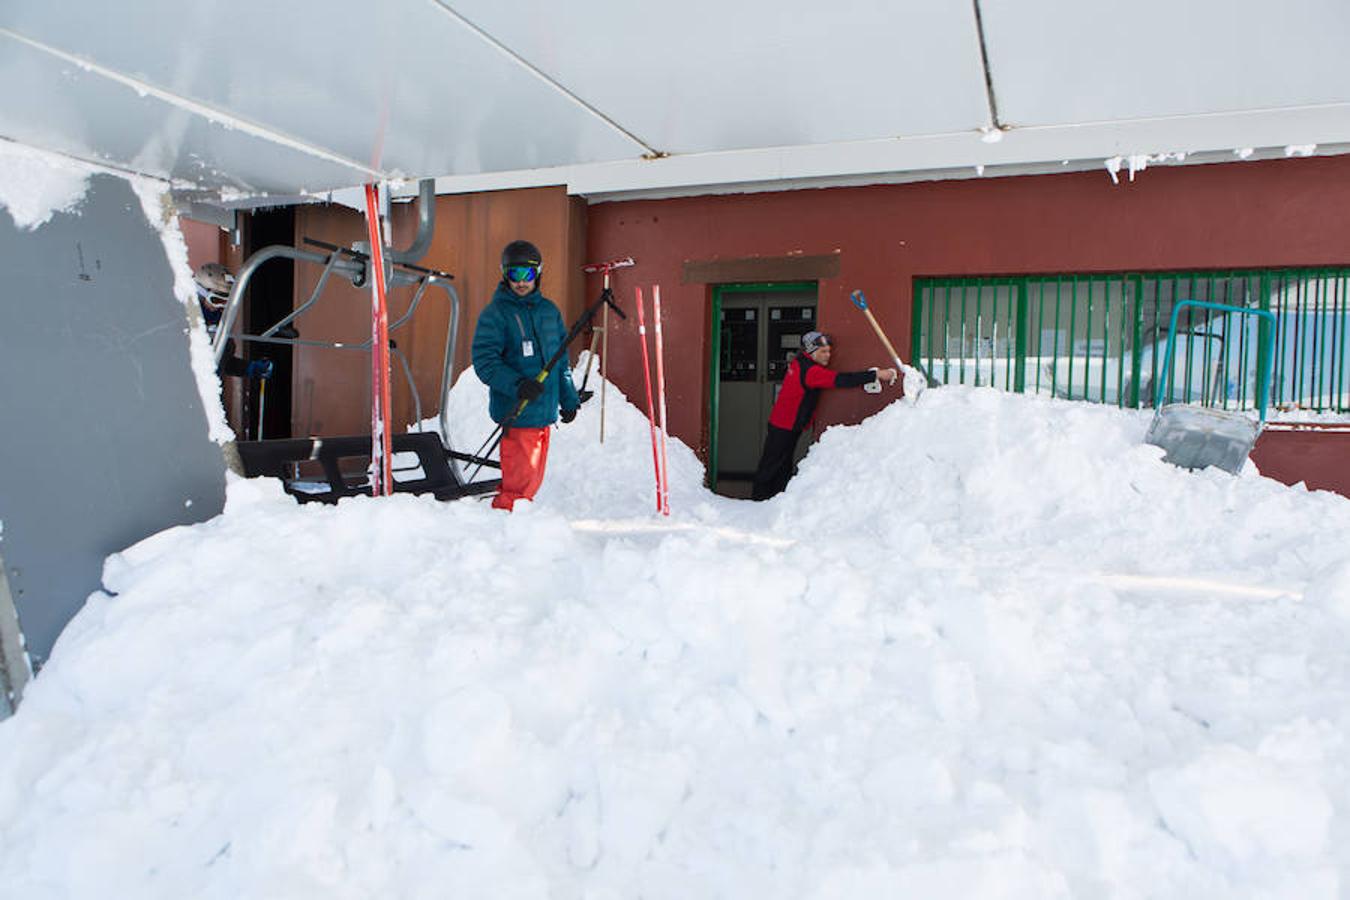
[915,383]
[1195,437]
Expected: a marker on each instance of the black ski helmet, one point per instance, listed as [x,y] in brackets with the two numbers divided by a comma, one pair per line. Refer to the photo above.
[522,253]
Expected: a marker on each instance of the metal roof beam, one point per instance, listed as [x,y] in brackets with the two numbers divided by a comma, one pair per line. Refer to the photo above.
[647,149]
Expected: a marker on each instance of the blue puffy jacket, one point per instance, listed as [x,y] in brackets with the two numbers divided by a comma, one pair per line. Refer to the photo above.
[507,327]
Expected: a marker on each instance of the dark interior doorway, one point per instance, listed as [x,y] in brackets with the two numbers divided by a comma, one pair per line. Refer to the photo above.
[759,331]
[271,296]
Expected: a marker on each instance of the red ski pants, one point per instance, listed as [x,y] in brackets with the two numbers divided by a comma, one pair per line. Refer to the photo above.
[524,454]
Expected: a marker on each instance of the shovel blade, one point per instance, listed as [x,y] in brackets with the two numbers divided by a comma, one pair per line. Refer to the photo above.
[1194,437]
[914,383]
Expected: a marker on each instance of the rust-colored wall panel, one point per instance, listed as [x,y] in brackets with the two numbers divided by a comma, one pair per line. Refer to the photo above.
[574,300]
[1316,454]
[205,242]
[1277,213]
[472,229]
[332,387]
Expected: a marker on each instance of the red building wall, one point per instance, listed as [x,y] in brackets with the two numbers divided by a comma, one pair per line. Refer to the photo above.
[1292,212]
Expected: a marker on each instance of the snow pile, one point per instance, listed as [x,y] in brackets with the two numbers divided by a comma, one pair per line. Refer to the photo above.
[985,646]
[998,474]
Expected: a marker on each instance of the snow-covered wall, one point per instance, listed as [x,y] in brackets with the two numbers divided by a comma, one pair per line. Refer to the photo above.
[103,437]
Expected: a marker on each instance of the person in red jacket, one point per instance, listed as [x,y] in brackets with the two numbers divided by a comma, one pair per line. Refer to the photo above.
[807,375]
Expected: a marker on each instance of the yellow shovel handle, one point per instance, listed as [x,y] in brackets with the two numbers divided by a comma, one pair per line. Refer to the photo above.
[881,334]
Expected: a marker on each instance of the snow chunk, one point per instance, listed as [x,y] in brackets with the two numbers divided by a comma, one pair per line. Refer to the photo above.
[1330,588]
[1240,811]
[37,185]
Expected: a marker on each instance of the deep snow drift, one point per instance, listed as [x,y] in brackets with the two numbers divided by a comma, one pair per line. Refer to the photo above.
[985,646]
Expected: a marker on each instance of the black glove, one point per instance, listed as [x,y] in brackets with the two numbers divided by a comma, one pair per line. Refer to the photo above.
[585,395]
[567,415]
[528,389]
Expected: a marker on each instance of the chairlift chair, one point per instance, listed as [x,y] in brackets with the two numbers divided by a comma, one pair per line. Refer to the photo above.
[437,468]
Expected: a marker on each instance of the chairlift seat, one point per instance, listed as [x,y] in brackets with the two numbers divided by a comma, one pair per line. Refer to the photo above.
[278,459]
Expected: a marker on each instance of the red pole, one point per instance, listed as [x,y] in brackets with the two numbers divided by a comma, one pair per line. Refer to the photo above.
[664,475]
[647,377]
[382,480]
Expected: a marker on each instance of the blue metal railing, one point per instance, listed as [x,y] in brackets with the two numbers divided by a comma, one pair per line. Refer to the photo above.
[1264,344]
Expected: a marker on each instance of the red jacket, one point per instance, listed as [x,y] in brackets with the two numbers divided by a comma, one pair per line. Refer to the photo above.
[805,379]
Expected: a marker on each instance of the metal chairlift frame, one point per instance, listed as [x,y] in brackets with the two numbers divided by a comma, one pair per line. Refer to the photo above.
[266,457]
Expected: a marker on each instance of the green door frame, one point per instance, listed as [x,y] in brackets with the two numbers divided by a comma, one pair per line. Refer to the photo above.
[715,361]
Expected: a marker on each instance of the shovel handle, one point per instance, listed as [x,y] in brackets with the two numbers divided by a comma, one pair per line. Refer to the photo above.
[882,335]
[860,301]
[909,372]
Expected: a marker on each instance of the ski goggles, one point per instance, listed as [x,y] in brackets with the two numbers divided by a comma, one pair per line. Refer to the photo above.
[213,299]
[520,273]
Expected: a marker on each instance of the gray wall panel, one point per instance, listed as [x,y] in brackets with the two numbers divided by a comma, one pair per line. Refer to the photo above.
[103,440]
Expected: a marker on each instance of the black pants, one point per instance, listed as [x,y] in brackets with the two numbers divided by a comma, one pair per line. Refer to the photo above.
[776,465]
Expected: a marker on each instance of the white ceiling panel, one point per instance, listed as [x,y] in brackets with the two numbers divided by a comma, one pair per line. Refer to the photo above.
[260,97]
[1058,62]
[710,75]
[81,114]
[409,91]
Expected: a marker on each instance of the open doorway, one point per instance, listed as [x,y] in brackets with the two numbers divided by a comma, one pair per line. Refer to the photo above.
[271,297]
[757,330]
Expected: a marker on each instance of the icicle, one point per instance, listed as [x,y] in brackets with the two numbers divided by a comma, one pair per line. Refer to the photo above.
[1138,162]
[1113,168]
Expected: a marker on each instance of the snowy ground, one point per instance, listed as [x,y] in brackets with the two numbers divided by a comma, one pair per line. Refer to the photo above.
[985,646]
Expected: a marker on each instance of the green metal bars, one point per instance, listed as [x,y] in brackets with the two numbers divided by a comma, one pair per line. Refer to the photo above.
[1099,337]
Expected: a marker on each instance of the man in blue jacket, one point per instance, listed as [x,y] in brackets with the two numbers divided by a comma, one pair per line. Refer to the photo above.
[516,335]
